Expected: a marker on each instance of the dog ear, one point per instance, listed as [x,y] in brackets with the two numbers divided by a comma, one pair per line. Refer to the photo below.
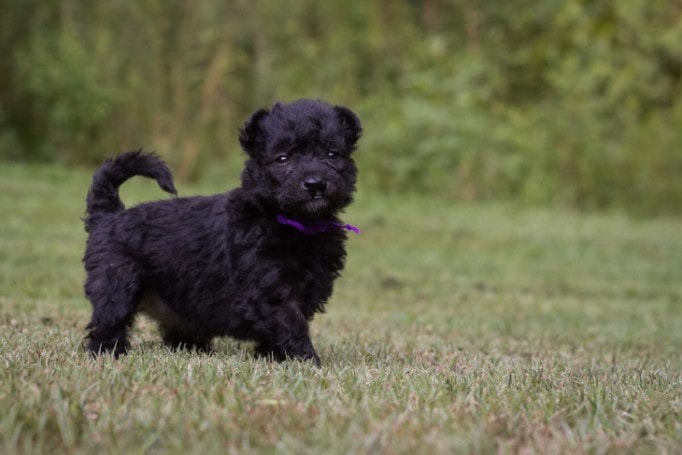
[350,123]
[251,135]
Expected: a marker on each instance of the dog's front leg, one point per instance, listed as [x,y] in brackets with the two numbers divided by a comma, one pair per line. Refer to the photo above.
[288,336]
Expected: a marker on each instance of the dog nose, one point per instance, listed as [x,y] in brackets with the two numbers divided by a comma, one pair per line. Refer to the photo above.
[314,185]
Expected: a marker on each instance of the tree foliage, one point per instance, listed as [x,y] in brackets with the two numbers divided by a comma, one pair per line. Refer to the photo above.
[577,103]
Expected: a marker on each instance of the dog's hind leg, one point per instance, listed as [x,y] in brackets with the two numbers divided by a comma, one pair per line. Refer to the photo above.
[113,289]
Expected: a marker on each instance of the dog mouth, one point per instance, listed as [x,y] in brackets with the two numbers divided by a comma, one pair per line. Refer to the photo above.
[317,206]
[309,207]
[312,198]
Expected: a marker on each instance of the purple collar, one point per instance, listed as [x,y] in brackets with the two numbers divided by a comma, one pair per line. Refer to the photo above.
[312,227]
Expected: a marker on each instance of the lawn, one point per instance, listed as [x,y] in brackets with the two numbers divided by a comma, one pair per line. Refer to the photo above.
[455,329]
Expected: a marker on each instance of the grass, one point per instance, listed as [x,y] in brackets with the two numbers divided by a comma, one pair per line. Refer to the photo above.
[455,329]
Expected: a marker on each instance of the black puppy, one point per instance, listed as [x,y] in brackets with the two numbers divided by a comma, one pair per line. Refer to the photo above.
[255,263]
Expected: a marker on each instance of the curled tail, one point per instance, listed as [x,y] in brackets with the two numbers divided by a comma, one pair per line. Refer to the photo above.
[103,195]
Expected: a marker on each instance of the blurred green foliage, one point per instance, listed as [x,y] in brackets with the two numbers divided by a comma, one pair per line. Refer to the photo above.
[575,103]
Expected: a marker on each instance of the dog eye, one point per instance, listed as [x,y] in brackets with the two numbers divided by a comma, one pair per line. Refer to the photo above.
[282,159]
[333,156]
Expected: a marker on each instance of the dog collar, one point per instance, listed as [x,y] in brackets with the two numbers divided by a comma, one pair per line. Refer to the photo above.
[312,227]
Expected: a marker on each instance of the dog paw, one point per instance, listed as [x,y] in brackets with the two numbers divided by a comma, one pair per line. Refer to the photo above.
[316,358]
[267,352]
[98,348]
[308,355]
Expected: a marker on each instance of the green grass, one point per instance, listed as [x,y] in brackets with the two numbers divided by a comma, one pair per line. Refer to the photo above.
[455,329]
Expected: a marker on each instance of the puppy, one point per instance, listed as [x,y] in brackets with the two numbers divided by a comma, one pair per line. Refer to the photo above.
[256,263]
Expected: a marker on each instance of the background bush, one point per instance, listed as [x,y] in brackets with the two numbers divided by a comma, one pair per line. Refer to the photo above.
[575,103]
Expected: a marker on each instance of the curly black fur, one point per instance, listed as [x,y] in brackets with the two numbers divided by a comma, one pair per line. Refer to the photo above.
[209,266]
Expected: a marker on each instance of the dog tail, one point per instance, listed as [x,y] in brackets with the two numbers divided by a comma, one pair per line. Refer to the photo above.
[103,196]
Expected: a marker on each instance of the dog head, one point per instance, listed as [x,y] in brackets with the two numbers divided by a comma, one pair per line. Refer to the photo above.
[300,157]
